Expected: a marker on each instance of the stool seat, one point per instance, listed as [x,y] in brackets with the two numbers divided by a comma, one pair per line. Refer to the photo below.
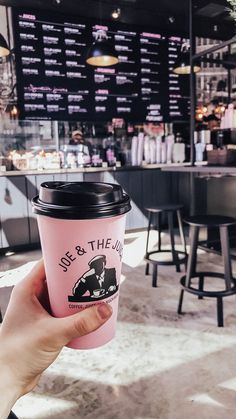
[164,207]
[160,256]
[210,220]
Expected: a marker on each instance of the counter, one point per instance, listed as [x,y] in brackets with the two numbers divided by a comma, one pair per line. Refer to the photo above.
[146,185]
[215,184]
[212,190]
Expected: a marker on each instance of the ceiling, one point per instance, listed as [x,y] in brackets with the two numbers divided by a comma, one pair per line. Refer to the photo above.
[211,18]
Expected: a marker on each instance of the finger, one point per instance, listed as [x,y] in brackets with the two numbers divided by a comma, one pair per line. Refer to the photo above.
[34,281]
[38,278]
[43,298]
[37,284]
[82,323]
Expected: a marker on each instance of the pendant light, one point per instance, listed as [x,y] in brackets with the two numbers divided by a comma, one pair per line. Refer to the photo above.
[4,49]
[102,53]
[182,64]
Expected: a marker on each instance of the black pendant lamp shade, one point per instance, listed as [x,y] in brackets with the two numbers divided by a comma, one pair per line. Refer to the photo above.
[102,53]
[182,65]
[4,49]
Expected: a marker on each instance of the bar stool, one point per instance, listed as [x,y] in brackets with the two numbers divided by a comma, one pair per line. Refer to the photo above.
[12,415]
[177,257]
[195,223]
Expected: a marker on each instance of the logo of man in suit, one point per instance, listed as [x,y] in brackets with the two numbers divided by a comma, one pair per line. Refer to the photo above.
[98,281]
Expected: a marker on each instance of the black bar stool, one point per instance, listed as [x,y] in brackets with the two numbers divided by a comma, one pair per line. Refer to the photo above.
[177,257]
[12,415]
[195,223]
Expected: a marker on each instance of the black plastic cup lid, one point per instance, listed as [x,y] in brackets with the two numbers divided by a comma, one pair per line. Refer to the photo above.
[80,200]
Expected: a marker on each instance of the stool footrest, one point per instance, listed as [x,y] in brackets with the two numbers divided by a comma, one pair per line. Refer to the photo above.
[180,260]
[204,293]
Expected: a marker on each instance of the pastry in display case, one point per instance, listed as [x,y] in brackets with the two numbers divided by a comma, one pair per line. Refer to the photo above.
[41,160]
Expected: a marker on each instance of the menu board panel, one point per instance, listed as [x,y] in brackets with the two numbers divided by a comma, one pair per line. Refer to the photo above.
[56,83]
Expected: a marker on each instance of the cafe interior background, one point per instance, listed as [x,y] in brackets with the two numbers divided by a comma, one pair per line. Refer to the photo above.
[160,121]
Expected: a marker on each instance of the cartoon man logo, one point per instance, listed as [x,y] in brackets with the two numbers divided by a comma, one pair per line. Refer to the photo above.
[97,282]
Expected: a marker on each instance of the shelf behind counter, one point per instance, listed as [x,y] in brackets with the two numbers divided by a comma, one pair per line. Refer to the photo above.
[146,185]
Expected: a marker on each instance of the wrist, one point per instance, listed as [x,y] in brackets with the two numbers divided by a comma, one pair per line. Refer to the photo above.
[10,392]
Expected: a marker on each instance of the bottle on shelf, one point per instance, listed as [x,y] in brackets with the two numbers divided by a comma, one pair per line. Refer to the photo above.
[110,152]
[140,148]
[170,139]
[229,118]
[96,159]
[134,147]
[178,149]
[163,150]
[152,150]
[158,149]
[147,157]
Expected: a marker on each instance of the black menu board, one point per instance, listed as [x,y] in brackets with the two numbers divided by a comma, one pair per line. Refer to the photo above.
[54,81]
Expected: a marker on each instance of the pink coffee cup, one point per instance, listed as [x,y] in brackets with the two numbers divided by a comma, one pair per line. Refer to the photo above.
[81,226]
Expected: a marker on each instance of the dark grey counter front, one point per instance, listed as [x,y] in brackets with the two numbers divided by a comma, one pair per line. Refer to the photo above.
[206,189]
[212,190]
[19,225]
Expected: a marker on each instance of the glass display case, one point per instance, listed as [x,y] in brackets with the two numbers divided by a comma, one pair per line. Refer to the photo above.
[49,145]
[39,145]
[28,145]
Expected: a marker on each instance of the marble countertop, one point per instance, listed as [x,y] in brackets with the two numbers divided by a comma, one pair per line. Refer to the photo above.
[202,169]
[89,169]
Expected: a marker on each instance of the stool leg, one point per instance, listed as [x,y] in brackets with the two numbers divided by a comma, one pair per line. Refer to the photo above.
[148,231]
[179,311]
[159,230]
[147,269]
[172,240]
[225,249]
[201,286]
[181,231]
[220,318]
[192,259]
[0,316]
[154,275]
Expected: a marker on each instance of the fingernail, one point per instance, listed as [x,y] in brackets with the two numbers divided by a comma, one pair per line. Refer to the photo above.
[104,311]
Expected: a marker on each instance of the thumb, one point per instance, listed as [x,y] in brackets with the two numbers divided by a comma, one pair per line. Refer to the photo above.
[82,323]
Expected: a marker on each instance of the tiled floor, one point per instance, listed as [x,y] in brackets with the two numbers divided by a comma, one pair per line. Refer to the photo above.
[14,260]
[159,366]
